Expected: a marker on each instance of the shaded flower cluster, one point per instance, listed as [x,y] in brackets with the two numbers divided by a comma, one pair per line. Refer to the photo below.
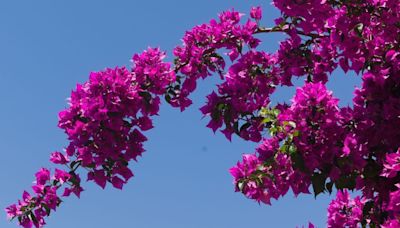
[305,143]
[103,125]
[198,56]
[316,120]
[247,87]
[32,209]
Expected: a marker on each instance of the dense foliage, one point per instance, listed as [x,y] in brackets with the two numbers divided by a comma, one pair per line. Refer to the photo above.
[309,144]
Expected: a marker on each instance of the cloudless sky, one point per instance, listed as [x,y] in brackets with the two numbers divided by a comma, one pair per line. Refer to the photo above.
[182,180]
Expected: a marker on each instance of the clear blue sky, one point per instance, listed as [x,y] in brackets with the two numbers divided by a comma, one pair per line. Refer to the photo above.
[182,181]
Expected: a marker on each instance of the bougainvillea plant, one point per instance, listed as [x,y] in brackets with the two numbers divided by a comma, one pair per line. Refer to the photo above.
[310,145]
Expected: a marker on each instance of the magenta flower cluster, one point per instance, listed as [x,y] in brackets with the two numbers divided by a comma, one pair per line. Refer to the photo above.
[248,84]
[326,145]
[344,211]
[310,144]
[104,124]
[198,57]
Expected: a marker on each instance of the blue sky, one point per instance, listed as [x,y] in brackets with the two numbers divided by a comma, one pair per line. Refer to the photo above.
[182,181]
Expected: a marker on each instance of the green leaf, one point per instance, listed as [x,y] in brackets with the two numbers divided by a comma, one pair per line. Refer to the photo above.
[318,183]
[74,165]
[220,106]
[347,181]
[244,127]
[266,120]
[236,127]
[367,207]
[55,182]
[227,118]
[292,149]
[241,186]
[215,115]
[46,208]
[263,112]
[240,47]
[168,98]
[290,123]
[272,130]
[285,148]
[32,217]
[146,96]
[275,112]
[371,170]
[359,28]
[298,162]
[329,186]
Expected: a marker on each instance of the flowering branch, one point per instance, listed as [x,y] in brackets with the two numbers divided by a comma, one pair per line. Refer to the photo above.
[310,143]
